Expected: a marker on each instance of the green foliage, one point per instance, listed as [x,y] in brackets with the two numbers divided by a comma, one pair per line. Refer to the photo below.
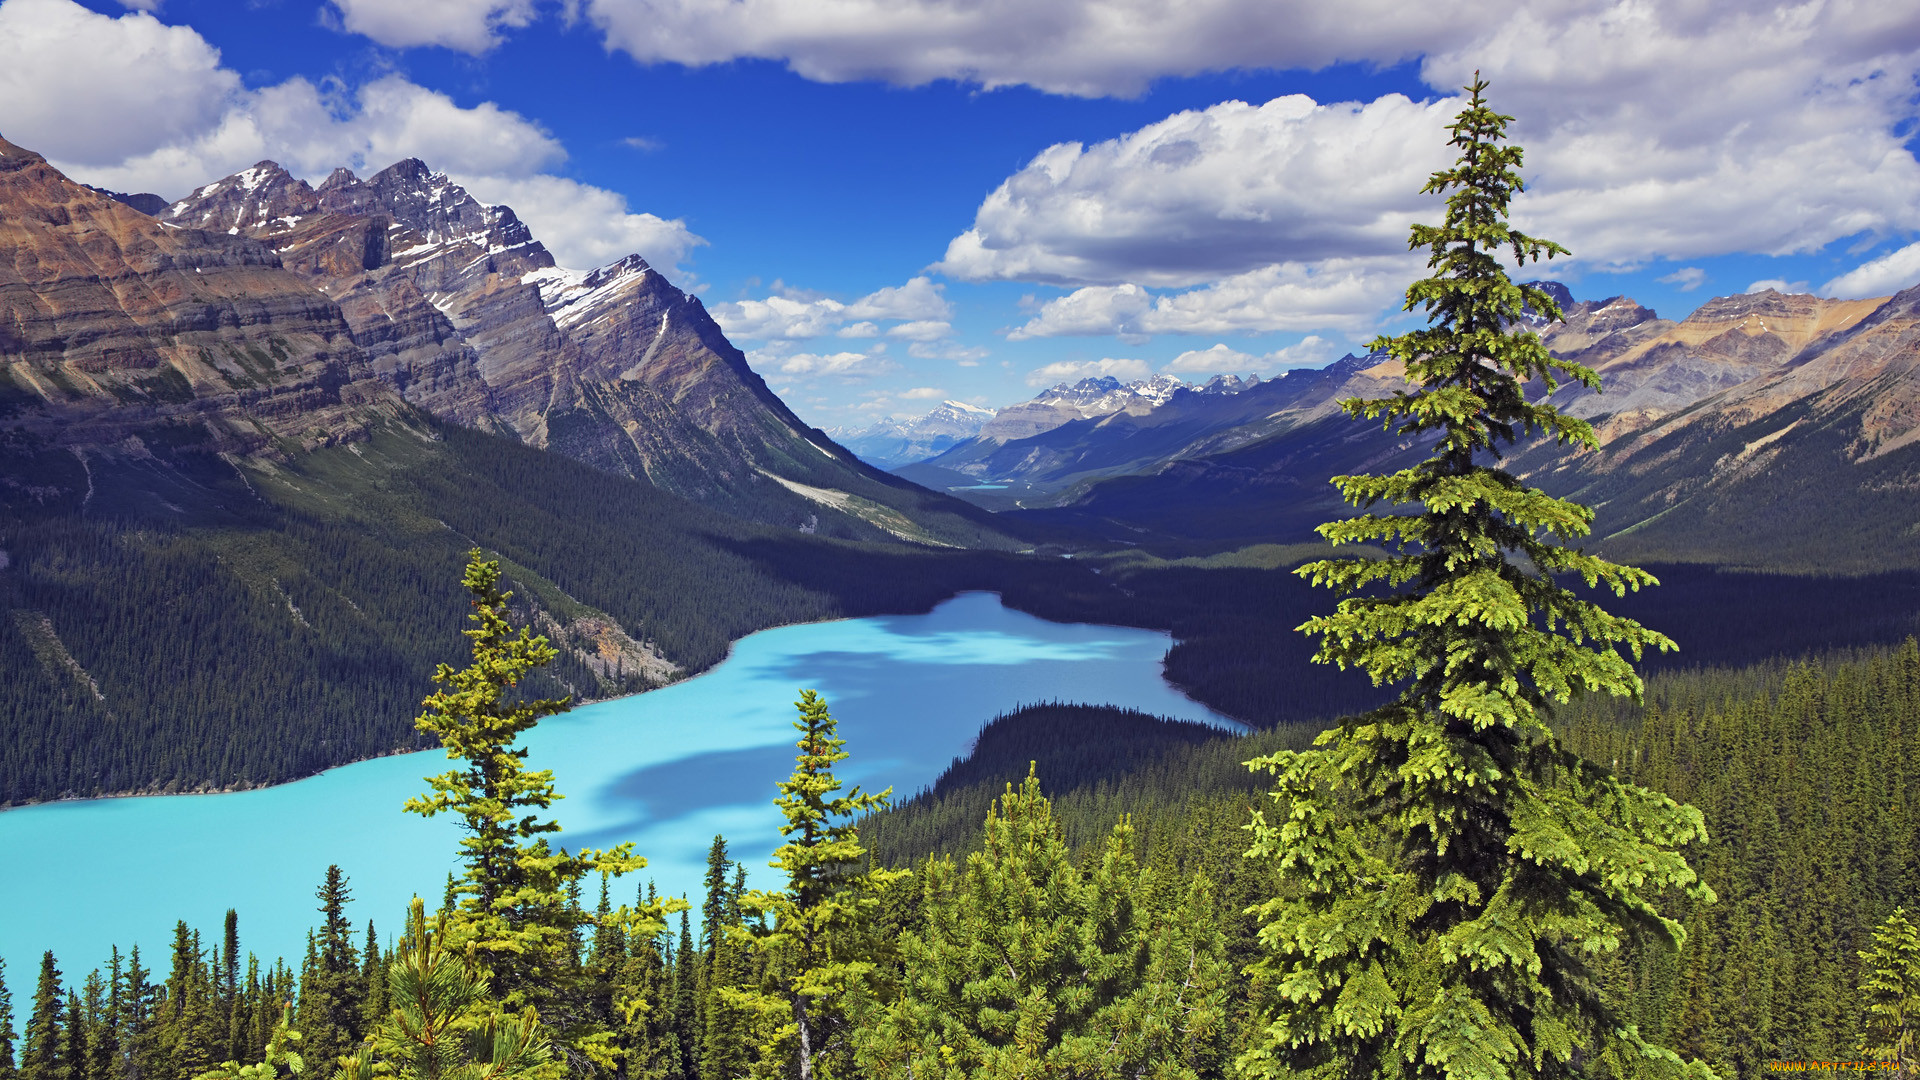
[279,1054]
[8,1066]
[445,1025]
[515,910]
[41,1058]
[1024,964]
[1890,990]
[332,990]
[1450,871]
[816,951]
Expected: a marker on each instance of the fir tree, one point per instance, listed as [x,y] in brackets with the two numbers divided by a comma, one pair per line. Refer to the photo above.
[74,1051]
[513,907]
[373,982]
[8,1066]
[445,1024]
[1890,991]
[1024,967]
[1449,868]
[812,953]
[331,1005]
[41,1057]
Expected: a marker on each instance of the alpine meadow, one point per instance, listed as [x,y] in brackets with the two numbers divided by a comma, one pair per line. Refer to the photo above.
[1550,669]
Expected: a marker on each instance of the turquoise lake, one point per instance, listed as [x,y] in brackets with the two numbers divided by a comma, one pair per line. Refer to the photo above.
[667,770]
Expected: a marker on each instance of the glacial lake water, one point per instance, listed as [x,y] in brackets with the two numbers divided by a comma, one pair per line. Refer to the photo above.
[667,770]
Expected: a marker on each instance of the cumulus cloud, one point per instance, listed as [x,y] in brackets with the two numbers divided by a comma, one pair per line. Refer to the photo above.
[469,26]
[585,225]
[1778,285]
[1126,369]
[1334,293]
[1080,47]
[131,104]
[843,365]
[1688,278]
[1210,192]
[1309,350]
[1888,274]
[91,89]
[917,308]
[1653,131]
[963,355]
[923,393]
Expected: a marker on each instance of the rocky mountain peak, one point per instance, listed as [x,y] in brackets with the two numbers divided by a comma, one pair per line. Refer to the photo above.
[251,199]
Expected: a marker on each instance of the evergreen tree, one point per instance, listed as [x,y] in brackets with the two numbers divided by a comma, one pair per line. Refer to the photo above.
[9,1069]
[1890,991]
[73,1052]
[373,982]
[103,1036]
[445,1024]
[812,953]
[331,1002]
[713,909]
[1449,867]
[1024,967]
[515,905]
[687,987]
[41,1057]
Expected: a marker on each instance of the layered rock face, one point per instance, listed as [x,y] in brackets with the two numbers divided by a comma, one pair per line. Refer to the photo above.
[118,331]
[466,314]
[1652,368]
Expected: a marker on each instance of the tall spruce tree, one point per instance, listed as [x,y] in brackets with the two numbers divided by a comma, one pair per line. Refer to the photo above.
[41,1057]
[331,1015]
[1025,966]
[512,904]
[9,1069]
[813,953]
[1449,868]
[1890,992]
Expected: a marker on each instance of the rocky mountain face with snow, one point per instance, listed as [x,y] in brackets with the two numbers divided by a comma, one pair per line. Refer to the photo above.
[261,315]
[1763,429]
[122,340]
[889,442]
[463,311]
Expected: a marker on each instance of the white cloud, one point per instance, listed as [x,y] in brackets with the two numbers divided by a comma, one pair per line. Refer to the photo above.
[919,298]
[1307,351]
[91,89]
[1890,273]
[584,225]
[1335,293]
[1081,47]
[844,365]
[964,355]
[1220,358]
[1216,358]
[1096,309]
[134,105]
[469,26]
[1688,278]
[1653,131]
[643,143]
[1777,285]
[1212,192]
[1127,369]
[923,393]
[922,330]
[792,316]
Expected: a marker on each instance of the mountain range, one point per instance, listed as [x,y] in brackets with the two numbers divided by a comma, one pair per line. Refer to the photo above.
[1743,434]
[246,441]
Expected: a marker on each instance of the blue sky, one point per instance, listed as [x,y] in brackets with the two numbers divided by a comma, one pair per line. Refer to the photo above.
[889,203]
